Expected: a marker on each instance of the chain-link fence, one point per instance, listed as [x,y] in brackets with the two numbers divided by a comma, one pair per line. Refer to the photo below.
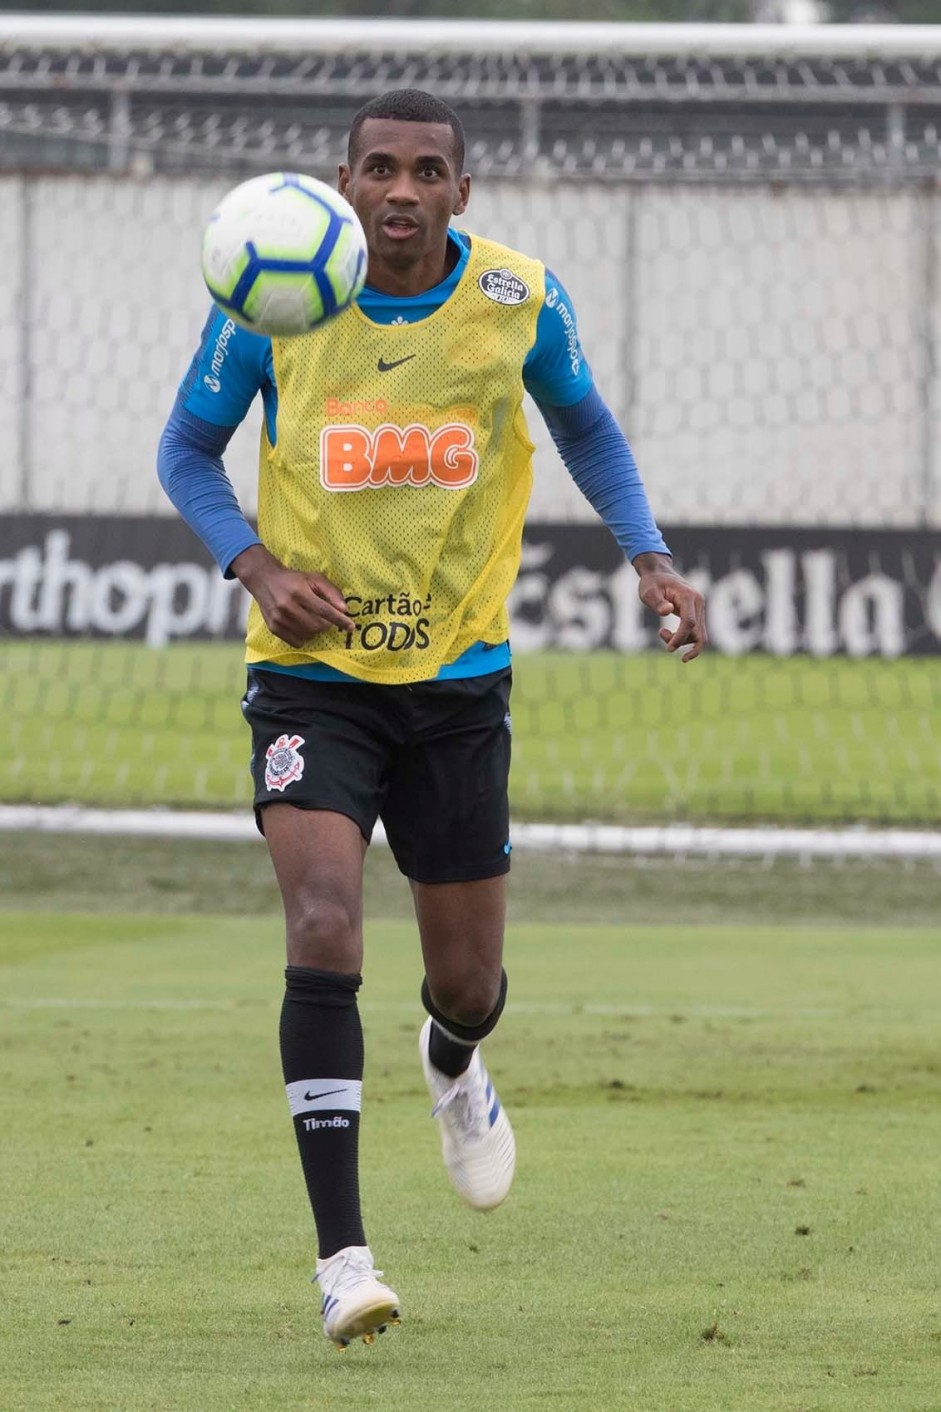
[748,221]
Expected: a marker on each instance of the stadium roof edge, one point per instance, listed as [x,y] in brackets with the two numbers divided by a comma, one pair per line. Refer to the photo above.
[185,33]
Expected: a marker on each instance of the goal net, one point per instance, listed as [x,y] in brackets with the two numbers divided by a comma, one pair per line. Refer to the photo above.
[748,222]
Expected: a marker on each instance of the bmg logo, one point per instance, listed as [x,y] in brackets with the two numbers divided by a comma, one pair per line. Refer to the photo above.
[353,458]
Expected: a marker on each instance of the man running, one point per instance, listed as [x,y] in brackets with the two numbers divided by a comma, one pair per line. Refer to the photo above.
[395,472]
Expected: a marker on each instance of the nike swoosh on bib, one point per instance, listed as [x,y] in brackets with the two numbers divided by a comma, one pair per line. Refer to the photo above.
[385,367]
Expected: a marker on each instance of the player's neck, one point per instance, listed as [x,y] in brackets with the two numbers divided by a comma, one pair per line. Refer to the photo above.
[405,281]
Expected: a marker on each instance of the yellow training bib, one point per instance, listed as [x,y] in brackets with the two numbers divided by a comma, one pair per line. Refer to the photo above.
[402,472]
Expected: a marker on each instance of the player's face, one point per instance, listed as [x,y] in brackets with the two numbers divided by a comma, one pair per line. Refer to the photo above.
[405,187]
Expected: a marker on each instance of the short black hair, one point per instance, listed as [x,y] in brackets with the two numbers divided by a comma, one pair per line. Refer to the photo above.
[408,105]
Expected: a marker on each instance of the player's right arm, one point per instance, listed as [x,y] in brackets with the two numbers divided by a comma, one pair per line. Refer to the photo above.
[230,367]
[228,370]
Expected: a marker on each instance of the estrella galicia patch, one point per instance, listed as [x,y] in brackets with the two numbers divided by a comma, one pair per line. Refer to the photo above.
[285,763]
[504,287]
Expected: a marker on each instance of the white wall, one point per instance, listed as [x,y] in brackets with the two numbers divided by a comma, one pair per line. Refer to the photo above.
[764,348]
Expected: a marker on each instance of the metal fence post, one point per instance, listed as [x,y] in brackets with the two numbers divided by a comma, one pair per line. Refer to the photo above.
[24,321]
[119,131]
[928,318]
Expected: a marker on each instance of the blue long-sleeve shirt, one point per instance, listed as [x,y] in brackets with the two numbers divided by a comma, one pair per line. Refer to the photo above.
[232,366]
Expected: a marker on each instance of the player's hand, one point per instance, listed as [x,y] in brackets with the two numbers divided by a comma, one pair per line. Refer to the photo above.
[667,593]
[294,605]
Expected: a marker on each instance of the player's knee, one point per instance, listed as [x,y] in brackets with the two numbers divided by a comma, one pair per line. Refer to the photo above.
[324,932]
[468,1002]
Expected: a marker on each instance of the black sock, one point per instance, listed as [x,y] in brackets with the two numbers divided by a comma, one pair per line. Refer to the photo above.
[448,1055]
[322,1060]
[451,1046]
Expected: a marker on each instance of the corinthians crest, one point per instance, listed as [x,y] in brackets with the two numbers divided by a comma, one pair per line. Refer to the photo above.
[284,765]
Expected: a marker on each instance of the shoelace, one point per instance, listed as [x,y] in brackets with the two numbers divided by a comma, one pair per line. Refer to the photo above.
[347,1272]
[459,1104]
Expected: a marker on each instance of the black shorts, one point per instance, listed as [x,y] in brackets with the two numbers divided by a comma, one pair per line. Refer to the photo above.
[431,760]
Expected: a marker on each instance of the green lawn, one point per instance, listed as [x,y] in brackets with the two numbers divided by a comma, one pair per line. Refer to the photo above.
[600,736]
[726,1194]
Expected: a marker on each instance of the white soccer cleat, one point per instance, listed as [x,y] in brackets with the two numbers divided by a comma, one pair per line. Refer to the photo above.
[354,1303]
[476,1138]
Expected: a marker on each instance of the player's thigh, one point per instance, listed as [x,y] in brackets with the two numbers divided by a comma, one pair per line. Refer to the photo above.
[461,927]
[446,812]
[320,760]
[318,861]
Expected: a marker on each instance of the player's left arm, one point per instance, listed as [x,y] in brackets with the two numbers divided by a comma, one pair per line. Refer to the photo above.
[600,461]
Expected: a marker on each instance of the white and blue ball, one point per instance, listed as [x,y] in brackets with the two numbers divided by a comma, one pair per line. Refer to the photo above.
[283,253]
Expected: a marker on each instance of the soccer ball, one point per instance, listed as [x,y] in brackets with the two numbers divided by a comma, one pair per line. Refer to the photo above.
[283,253]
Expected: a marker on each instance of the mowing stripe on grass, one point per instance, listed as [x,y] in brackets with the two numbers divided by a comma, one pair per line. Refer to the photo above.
[522,1007]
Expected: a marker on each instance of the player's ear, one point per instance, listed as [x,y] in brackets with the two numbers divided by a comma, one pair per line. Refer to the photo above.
[463,195]
[343,178]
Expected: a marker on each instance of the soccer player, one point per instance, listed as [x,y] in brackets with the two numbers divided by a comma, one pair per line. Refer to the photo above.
[395,470]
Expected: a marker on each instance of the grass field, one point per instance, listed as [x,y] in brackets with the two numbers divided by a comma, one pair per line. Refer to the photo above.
[728,1134]
[601,735]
